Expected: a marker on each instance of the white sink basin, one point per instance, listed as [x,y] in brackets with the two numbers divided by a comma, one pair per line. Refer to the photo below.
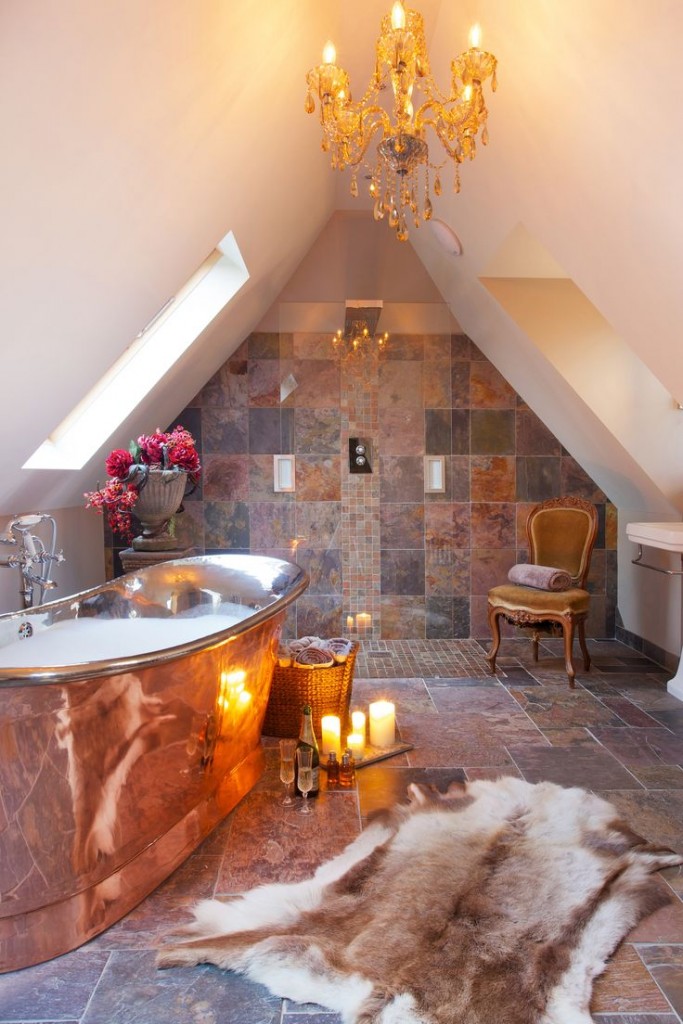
[668,536]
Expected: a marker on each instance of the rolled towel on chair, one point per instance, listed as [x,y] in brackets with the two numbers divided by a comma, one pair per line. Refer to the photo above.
[542,577]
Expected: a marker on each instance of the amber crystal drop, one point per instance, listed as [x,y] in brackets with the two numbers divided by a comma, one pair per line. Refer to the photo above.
[378,210]
[354,187]
[310,103]
[393,217]
[485,135]
[402,231]
[427,212]
[437,185]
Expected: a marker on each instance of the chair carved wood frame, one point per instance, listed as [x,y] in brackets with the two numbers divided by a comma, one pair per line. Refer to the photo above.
[561,533]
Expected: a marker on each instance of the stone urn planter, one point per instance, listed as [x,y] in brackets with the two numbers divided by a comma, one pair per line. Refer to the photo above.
[160,497]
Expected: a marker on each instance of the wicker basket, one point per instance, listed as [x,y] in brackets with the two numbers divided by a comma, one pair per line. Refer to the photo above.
[327,690]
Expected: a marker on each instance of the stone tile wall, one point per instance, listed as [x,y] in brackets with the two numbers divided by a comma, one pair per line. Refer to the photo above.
[419,564]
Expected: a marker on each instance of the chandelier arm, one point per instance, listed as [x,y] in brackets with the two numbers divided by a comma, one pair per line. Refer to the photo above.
[350,143]
[434,94]
[456,118]
[454,150]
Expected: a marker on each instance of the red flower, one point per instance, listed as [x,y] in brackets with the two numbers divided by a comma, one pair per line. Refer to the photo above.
[117,501]
[118,463]
[184,456]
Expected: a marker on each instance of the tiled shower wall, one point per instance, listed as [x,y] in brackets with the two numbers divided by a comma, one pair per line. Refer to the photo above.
[419,564]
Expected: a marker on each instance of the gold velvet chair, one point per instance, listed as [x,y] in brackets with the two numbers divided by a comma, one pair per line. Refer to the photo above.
[561,533]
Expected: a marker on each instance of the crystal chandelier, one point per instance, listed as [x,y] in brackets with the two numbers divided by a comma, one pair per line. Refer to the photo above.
[402,150]
[360,340]
[360,335]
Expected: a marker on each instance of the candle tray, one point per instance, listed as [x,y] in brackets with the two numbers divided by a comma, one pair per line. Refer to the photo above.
[327,690]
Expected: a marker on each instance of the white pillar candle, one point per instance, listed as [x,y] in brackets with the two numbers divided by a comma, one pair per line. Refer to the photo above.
[355,741]
[349,621]
[382,724]
[331,738]
[363,622]
[358,722]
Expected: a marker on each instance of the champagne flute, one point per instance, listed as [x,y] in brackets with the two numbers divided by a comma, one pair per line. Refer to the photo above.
[304,756]
[287,750]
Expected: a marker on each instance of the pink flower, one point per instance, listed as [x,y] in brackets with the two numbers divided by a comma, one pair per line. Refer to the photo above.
[152,448]
[118,463]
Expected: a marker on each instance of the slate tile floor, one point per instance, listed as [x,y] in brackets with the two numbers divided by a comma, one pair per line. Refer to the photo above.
[618,733]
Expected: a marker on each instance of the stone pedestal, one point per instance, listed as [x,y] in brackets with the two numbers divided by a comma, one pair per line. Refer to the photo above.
[132,560]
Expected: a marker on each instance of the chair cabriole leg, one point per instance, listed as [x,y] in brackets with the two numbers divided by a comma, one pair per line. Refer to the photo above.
[568,635]
[494,626]
[583,646]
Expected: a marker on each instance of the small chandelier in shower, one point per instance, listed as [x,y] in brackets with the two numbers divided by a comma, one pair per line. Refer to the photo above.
[359,334]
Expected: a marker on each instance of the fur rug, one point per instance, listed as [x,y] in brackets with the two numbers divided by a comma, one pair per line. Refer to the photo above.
[496,902]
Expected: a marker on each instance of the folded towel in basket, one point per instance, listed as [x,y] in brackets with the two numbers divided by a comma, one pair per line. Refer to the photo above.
[542,577]
[315,657]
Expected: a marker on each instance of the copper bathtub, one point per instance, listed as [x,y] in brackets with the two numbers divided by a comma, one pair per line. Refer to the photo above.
[114,768]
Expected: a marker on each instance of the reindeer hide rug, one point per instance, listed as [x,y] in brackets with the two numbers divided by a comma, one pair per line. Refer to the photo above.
[496,903]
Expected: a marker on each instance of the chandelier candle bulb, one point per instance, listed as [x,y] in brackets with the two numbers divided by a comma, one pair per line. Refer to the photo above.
[331,735]
[475,36]
[349,621]
[382,724]
[398,16]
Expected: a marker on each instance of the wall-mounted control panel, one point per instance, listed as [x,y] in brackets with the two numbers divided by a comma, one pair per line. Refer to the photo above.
[360,455]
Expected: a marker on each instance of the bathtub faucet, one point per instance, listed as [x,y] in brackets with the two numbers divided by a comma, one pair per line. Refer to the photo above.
[33,558]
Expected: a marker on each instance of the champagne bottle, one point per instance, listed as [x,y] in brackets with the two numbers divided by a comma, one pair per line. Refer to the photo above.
[307,739]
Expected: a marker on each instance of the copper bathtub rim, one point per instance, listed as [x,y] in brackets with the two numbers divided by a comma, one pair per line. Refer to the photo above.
[36,675]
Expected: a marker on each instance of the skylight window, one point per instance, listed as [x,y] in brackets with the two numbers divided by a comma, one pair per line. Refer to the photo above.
[151,355]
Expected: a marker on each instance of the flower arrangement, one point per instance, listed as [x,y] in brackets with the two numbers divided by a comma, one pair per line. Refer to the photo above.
[128,471]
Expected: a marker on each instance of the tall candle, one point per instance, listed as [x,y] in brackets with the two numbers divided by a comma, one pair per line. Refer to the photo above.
[331,738]
[355,741]
[358,722]
[363,622]
[349,621]
[382,724]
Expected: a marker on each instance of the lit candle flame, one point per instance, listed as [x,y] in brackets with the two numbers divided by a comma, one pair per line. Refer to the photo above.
[329,53]
[467,93]
[475,36]
[398,15]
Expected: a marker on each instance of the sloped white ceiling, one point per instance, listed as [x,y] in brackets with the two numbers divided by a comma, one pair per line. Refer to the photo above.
[137,134]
